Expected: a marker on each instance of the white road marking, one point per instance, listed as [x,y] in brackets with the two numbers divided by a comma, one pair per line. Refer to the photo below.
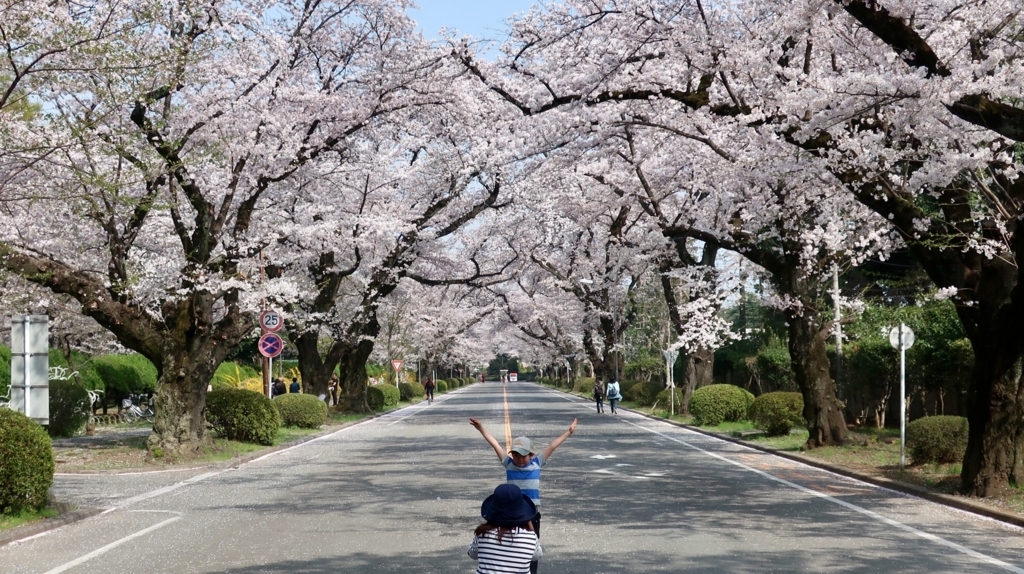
[859,509]
[111,546]
[603,456]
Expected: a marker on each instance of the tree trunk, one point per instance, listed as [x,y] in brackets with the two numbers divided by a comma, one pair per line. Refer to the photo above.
[352,380]
[179,424]
[995,413]
[698,372]
[825,422]
[316,371]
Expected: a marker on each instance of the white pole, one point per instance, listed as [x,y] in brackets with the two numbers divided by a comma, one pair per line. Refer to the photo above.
[903,399]
[270,387]
[671,390]
[27,322]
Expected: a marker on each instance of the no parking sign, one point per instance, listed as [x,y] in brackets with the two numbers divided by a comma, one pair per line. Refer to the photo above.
[271,345]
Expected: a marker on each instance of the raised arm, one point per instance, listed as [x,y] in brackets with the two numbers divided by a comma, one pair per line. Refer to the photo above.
[554,444]
[490,439]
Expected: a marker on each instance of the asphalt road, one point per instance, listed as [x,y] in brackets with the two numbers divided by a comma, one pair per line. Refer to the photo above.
[402,493]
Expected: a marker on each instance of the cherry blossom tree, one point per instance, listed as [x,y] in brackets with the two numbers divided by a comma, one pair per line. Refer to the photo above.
[161,152]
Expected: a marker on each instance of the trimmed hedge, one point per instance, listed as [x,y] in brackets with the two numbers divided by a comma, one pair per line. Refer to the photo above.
[441,386]
[410,391]
[69,408]
[5,369]
[714,404]
[125,374]
[242,415]
[662,399]
[303,411]
[624,386]
[644,393]
[583,385]
[777,413]
[383,395]
[937,439]
[26,464]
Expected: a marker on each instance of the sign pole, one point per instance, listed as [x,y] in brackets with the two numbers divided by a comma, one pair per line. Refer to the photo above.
[902,338]
[903,399]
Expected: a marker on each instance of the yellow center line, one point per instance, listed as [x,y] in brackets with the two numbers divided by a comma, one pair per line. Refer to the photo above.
[508,419]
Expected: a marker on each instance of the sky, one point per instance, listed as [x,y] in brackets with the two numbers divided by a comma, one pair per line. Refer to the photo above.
[479,18]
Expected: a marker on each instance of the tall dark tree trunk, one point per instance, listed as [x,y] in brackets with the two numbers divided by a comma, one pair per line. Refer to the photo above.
[995,408]
[316,371]
[179,424]
[825,422]
[698,371]
[353,377]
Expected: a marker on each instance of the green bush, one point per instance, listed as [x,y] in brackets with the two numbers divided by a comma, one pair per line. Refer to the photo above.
[775,366]
[714,404]
[26,464]
[383,395]
[69,408]
[778,412]
[5,369]
[243,415]
[624,386]
[937,439]
[303,411]
[583,385]
[662,399]
[644,393]
[229,374]
[410,391]
[125,374]
[442,386]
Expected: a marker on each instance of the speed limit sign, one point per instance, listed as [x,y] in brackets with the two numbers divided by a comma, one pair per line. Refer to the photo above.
[271,321]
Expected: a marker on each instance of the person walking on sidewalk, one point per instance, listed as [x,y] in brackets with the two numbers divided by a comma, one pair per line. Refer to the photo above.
[599,396]
[522,466]
[614,396]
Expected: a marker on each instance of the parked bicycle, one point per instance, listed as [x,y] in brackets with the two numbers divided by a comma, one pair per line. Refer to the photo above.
[136,407]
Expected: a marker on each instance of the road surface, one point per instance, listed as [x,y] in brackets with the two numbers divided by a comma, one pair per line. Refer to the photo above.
[402,493]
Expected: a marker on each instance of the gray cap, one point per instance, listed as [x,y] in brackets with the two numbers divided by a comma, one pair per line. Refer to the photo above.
[521,445]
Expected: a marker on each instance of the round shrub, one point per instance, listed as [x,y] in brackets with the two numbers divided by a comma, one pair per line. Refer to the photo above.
[662,399]
[644,393]
[714,404]
[380,396]
[777,412]
[26,463]
[69,408]
[937,439]
[409,391]
[303,411]
[242,415]
[442,386]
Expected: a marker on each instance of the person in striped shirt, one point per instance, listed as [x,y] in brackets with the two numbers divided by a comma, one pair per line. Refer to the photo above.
[522,466]
[506,543]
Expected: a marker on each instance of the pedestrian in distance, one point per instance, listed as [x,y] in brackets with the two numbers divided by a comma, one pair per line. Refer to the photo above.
[278,388]
[294,387]
[506,542]
[614,396]
[334,389]
[522,466]
[428,389]
[599,396]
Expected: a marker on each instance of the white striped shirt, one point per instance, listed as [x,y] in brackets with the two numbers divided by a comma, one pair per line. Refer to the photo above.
[510,556]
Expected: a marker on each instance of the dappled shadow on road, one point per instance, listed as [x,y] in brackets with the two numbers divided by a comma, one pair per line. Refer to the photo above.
[601,562]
